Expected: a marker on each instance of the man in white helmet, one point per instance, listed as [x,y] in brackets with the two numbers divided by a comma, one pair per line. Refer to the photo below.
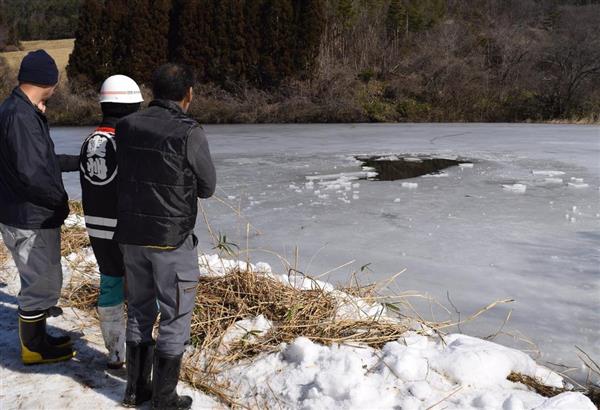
[119,96]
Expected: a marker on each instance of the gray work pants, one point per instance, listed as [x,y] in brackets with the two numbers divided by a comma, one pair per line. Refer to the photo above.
[36,253]
[169,277]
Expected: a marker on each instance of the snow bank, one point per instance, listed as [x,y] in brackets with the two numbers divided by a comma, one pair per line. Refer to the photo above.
[415,372]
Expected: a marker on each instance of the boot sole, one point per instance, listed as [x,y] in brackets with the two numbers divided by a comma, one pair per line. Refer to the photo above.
[132,405]
[115,366]
[66,344]
[29,361]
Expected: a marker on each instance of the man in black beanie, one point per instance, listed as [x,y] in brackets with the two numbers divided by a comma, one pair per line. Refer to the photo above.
[33,205]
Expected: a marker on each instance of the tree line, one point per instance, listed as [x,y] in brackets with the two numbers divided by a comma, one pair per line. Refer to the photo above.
[229,42]
[351,60]
[39,19]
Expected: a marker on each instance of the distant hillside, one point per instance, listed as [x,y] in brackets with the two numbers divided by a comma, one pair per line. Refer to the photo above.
[58,49]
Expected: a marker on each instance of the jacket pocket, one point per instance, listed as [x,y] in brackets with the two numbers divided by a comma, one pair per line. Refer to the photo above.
[187,285]
[191,242]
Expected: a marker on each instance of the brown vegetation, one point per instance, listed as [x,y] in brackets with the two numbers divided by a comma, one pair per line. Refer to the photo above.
[74,238]
[4,255]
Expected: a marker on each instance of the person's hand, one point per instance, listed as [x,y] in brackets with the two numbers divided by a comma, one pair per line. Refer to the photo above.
[42,106]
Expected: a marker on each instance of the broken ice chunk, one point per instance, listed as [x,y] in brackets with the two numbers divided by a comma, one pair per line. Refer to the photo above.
[517,188]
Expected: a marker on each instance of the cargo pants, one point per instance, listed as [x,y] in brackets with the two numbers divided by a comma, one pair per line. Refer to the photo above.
[36,253]
[169,276]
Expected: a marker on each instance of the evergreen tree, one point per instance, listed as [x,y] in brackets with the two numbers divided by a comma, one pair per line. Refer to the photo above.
[261,42]
[395,18]
[309,23]
[236,44]
[423,14]
[277,42]
[217,56]
[252,38]
[3,29]
[148,42]
[118,30]
[192,48]
[345,13]
[87,65]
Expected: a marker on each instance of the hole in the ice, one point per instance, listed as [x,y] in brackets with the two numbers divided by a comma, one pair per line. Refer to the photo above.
[392,168]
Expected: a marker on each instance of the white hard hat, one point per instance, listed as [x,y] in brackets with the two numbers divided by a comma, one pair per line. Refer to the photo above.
[120,89]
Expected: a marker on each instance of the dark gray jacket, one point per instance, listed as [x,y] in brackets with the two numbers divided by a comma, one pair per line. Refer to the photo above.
[32,195]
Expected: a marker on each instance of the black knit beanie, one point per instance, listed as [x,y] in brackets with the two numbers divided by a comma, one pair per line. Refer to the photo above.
[38,67]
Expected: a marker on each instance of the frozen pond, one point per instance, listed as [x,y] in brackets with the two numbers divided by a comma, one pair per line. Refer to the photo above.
[523,222]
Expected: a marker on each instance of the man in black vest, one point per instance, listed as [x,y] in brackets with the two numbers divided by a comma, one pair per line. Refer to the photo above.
[164,167]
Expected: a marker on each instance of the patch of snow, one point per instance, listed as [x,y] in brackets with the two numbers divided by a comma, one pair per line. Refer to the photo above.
[517,188]
[75,221]
[412,159]
[548,173]
[410,185]
[436,175]
[577,185]
[248,330]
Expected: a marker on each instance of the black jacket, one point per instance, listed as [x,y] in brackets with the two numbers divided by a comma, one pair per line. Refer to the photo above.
[32,195]
[164,166]
[98,177]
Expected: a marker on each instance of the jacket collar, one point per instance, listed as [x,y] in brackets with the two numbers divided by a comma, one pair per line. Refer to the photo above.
[17,92]
[109,122]
[167,104]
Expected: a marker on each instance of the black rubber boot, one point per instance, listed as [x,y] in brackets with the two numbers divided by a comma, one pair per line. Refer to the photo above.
[60,341]
[65,340]
[139,359]
[36,347]
[164,383]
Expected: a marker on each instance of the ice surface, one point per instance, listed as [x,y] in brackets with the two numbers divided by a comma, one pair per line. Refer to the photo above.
[461,236]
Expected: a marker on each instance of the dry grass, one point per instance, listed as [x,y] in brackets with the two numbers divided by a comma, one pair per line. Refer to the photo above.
[535,385]
[592,391]
[4,255]
[58,49]
[224,300]
[75,238]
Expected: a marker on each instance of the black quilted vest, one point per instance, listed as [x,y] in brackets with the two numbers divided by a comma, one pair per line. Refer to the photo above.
[157,189]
